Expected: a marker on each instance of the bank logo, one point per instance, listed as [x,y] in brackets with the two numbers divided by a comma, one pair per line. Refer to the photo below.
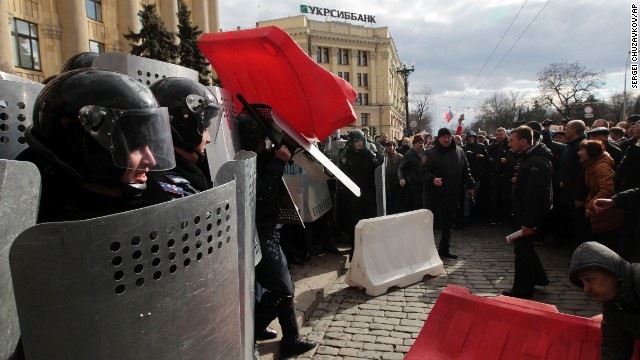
[314,10]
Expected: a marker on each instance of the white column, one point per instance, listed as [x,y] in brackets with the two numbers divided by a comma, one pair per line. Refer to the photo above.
[200,14]
[214,16]
[75,31]
[128,20]
[6,48]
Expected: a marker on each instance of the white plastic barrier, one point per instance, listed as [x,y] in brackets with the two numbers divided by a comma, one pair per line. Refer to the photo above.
[395,250]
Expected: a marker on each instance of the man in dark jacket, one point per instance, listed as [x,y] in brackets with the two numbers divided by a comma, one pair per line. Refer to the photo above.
[500,174]
[477,157]
[408,174]
[629,234]
[532,200]
[572,182]
[443,171]
[614,283]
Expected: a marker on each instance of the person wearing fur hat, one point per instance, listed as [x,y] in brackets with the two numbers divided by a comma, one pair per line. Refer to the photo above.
[443,170]
[615,283]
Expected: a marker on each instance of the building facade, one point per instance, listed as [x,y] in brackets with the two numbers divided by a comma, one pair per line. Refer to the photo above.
[364,56]
[37,36]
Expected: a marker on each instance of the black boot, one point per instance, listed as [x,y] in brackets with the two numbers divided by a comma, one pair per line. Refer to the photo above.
[266,312]
[291,344]
[267,334]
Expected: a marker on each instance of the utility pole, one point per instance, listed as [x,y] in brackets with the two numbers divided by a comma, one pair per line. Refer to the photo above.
[624,92]
[404,71]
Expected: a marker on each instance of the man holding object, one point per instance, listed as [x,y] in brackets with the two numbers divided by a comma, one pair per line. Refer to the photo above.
[532,200]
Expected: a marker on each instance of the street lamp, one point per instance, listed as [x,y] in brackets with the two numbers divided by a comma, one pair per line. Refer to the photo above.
[404,71]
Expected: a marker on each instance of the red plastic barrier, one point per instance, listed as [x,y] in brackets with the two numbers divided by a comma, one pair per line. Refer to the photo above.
[266,66]
[465,326]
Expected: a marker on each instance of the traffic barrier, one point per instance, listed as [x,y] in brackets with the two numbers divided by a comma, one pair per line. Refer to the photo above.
[466,326]
[395,250]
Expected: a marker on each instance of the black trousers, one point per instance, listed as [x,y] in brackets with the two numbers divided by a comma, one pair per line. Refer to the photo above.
[446,227]
[272,272]
[528,268]
[500,208]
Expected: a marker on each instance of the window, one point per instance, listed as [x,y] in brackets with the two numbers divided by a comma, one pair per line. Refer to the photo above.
[362,58]
[96,47]
[25,44]
[359,99]
[365,99]
[364,119]
[344,75]
[94,9]
[322,55]
[359,79]
[365,80]
[343,56]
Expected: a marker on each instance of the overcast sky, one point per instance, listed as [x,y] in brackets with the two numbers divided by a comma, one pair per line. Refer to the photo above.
[450,41]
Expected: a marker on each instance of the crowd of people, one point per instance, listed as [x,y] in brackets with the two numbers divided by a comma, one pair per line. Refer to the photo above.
[104,143]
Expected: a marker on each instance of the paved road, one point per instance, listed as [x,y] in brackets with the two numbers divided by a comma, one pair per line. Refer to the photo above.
[348,324]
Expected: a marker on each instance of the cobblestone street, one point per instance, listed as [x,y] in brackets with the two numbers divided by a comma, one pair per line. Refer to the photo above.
[349,324]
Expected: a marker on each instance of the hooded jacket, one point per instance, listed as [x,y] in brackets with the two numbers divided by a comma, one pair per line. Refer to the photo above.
[621,316]
[532,192]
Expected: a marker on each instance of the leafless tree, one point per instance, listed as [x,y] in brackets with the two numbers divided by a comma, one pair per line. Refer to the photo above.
[563,85]
[421,101]
[500,110]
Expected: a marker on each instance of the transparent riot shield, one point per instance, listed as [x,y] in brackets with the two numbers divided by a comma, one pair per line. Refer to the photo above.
[243,170]
[19,196]
[226,143]
[159,282]
[16,109]
[146,71]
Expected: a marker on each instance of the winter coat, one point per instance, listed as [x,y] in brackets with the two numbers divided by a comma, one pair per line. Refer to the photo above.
[496,151]
[393,164]
[478,166]
[409,166]
[621,316]
[532,192]
[628,172]
[599,177]
[574,187]
[451,165]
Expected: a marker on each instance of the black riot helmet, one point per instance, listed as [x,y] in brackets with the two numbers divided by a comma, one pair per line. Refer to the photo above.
[353,136]
[192,109]
[79,61]
[87,124]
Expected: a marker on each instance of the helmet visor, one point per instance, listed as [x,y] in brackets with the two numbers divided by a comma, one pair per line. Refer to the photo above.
[124,133]
[207,112]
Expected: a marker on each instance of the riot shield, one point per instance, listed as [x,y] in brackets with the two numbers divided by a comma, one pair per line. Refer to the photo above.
[226,143]
[11,77]
[243,170]
[159,282]
[309,194]
[19,196]
[146,71]
[16,109]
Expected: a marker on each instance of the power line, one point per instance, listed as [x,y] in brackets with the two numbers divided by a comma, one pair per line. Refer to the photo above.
[514,44]
[493,52]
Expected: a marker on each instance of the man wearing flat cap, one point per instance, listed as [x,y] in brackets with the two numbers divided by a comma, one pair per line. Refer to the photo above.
[443,171]
[602,134]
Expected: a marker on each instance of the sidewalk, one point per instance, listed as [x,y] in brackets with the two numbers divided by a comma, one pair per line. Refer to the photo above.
[311,284]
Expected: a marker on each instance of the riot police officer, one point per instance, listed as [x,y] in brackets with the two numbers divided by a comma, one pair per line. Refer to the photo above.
[272,272]
[359,164]
[192,109]
[95,136]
